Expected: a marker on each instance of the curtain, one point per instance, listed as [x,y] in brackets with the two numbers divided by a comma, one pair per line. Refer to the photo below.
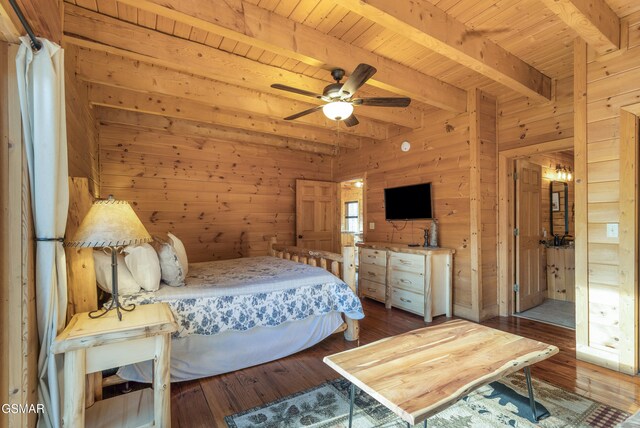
[42,103]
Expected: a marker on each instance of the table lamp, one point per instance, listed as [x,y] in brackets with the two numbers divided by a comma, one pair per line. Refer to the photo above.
[111,225]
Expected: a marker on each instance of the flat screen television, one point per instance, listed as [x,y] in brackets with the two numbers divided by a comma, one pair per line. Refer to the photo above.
[408,202]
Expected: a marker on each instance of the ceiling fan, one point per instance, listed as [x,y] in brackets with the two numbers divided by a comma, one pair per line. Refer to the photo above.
[339,96]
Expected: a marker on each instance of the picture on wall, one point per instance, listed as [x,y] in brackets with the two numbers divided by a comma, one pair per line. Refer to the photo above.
[555,201]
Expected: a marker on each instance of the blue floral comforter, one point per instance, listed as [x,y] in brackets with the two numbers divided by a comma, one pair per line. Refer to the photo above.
[240,294]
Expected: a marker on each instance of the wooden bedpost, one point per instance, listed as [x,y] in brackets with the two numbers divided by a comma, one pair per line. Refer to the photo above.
[349,267]
[349,276]
[272,241]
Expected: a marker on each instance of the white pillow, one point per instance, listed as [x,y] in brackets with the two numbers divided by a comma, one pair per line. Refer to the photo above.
[171,269]
[142,261]
[126,283]
[180,252]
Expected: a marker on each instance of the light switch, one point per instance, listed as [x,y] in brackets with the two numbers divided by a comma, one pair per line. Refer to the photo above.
[612,230]
[372,226]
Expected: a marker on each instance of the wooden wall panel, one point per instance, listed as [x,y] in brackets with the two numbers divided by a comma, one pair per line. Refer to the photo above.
[611,164]
[488,303]
[522,122]
[4,231]
[82,133]
[439,154]
[221,198]
[17,272]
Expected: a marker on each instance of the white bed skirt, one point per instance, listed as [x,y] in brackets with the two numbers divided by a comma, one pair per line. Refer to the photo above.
[196,356]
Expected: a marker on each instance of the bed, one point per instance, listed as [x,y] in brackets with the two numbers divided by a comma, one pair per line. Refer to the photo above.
[197,355]
[239,313]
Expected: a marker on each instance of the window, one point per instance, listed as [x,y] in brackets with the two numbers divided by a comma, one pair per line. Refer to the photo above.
[351,216]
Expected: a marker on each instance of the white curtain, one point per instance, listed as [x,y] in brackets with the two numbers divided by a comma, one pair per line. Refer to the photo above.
[41,88]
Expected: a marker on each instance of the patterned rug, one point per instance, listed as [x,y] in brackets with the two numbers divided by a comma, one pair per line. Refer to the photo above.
[328,406]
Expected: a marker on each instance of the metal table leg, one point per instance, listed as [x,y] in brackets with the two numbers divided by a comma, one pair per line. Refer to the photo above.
[532,401]
[352,394]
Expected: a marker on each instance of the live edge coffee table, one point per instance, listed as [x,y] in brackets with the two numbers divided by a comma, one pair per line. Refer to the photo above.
[419,373]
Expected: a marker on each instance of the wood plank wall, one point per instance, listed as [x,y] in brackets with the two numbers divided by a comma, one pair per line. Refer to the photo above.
[548,162]
[221,198]
[522,122]
[612,84]
[439,154]
[82,133]
[487,305]
[17,275]
[4,230]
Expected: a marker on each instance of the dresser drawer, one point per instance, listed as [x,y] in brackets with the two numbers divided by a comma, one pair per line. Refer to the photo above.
[411,281]
[372,272]
[407,300]
[374,257]
[407,262]
[372,289]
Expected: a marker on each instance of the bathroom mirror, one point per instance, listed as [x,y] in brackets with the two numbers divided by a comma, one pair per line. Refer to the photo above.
[559,203]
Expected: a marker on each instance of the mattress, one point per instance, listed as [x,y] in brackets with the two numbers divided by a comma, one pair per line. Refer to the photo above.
[241,294]
[195,356]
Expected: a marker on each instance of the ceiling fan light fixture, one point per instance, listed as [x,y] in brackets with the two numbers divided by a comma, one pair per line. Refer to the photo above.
[337,110]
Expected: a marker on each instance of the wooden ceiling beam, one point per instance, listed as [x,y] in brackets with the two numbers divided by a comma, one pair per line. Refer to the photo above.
[253,25]
[593,20]
[152,46]
[429,26]
[226,104]
[112,114]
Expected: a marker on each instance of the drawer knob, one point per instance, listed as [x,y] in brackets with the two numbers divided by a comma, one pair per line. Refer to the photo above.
[371,273]
[371,289]
[406,281]
[405,300]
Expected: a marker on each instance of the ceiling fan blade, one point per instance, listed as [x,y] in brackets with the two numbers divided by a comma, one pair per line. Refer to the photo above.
[383,102]
[295,90]
[351,121]
[303,113]
[360,75]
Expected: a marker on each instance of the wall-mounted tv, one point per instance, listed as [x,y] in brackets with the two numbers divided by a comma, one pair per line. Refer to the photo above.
[408,202]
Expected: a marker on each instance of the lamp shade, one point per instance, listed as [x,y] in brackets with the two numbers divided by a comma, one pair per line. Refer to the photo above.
[337,110]
[110,223]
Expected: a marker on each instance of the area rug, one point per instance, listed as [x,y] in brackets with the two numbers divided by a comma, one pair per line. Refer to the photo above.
[555,312]
[328,406]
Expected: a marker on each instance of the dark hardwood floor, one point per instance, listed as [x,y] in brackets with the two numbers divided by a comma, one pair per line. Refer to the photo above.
[205,402]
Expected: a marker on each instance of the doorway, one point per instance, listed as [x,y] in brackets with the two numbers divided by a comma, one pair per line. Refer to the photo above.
[352,213]
[544,257]
[537,220]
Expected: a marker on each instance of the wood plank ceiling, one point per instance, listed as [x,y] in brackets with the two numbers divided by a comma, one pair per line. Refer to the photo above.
[213,62]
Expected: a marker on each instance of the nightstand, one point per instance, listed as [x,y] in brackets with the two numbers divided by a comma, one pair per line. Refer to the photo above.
[91,345]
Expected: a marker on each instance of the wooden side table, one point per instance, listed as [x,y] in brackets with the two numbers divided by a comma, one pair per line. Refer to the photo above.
[91,345]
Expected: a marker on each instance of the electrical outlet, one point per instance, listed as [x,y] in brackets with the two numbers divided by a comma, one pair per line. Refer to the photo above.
[372,226]
[612,230]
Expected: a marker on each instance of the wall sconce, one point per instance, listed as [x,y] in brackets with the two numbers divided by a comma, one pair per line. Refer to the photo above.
[563,173]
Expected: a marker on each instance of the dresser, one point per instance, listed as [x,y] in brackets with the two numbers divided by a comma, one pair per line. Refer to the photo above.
[415,279]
